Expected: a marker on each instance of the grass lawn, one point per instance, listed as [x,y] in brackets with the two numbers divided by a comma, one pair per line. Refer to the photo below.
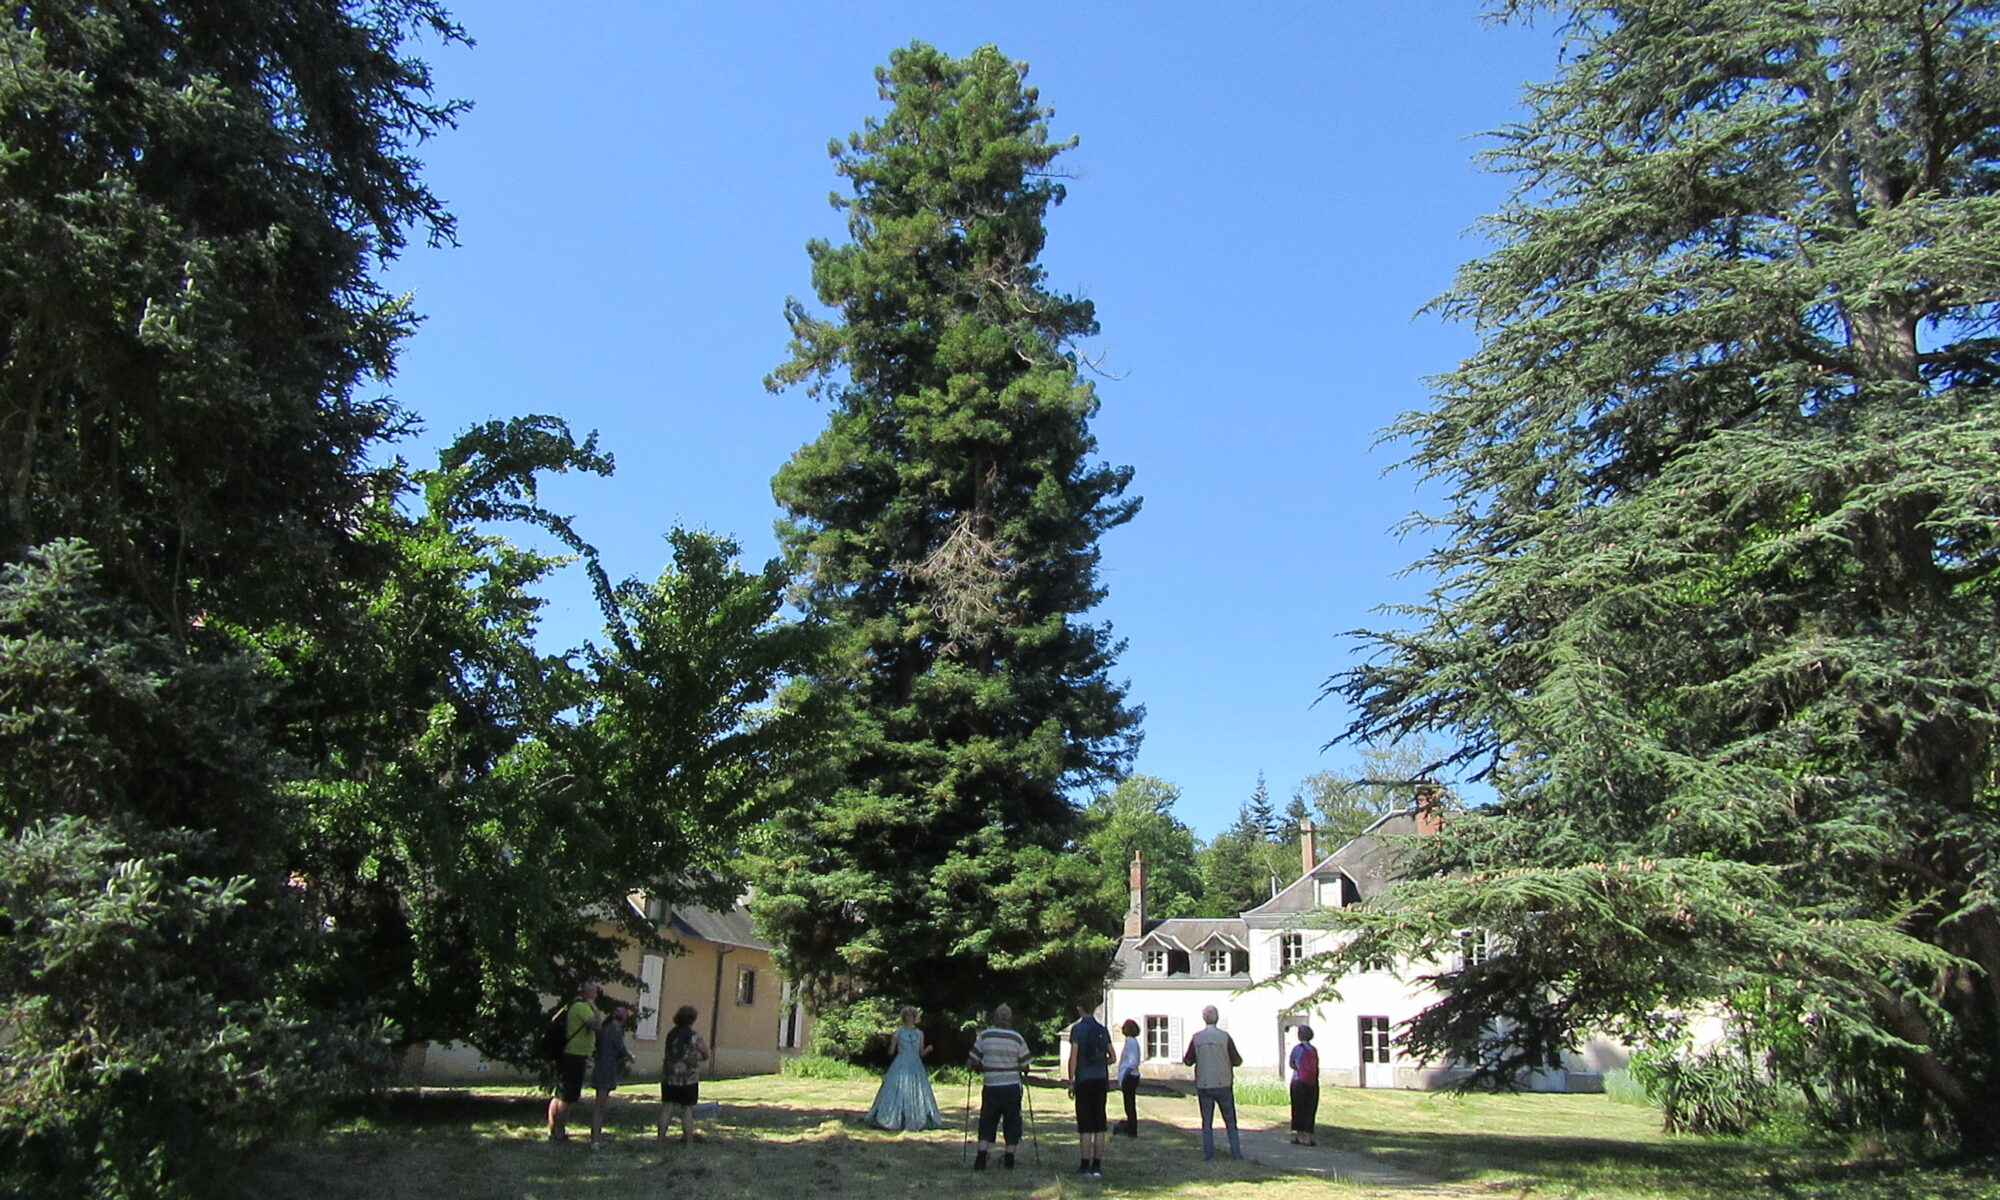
[788,1137]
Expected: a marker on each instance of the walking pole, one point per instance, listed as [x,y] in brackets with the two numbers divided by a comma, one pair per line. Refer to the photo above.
[1028,1094]
[966,1125]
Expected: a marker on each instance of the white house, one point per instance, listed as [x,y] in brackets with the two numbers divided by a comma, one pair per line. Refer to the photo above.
[1168,970]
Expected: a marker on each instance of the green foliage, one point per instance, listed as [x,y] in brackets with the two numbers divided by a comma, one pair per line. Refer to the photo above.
[476,796]
[1344,803]
[1137,816]
[1259,1088]
[193,196]
[1715,1090]
[1621,1086]
[819,1066]
[1714,605]
[136,969]
[944,528]
[1240,865]
[283,779]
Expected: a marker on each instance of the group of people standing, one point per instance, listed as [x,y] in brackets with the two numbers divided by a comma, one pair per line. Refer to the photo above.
[1001,1055]
[594,1042]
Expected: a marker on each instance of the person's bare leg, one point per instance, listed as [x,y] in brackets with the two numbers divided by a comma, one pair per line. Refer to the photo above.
[597,1115]
[558,1119]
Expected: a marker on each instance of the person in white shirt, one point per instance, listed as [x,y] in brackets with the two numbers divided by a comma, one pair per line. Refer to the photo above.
[1128,1078]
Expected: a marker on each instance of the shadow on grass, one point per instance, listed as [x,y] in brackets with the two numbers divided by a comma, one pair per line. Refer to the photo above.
[793,1137]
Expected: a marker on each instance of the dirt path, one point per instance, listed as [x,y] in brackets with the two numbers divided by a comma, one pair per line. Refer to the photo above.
[1268,1143]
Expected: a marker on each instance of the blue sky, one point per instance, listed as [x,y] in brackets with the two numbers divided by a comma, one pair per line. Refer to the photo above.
[1263,197]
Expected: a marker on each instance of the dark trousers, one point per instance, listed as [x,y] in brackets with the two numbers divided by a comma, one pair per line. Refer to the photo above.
[1305,1106]
[1000,1109]
[1130,1087]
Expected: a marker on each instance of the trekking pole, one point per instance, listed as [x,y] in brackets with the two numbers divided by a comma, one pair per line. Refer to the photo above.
[966,1125]
[1027,1093]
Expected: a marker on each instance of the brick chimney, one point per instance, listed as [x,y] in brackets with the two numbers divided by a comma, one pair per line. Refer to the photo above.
[1135,910]
[1308,845]
[1430,808]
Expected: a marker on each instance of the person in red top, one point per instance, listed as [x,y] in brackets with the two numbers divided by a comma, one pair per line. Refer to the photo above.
[1305,1088]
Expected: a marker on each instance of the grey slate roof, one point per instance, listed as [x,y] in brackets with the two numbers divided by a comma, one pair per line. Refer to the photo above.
[1370,861]
[730,928]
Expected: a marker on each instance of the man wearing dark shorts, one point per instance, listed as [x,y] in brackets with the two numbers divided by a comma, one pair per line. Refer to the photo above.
[1089,1083]
[580,1022]
[1002,1055]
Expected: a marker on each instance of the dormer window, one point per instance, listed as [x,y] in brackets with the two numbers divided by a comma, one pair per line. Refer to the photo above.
[1156,962]
[1218,960]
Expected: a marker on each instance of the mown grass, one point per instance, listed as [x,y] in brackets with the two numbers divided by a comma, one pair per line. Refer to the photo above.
[799,1136]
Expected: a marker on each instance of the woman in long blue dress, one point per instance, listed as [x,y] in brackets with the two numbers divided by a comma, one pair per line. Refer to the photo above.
[905,1100]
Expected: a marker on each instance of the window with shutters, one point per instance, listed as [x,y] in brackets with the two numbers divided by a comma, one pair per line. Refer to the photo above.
[1291,949]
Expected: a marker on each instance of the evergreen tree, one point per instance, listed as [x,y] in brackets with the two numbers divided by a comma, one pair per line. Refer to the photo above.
[1716,597]
[945,525]
[194,198]
[1260,814]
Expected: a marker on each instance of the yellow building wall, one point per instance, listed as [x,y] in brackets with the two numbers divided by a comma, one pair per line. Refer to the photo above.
[748,1031]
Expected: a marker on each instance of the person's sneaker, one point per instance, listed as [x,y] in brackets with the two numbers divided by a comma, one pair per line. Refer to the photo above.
[1083,1167]
[1096,1168]
[979,1161]
[558,1137]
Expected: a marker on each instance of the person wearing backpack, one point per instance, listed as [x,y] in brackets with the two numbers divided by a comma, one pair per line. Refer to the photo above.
[580,1021]
[1305,1088]
[1089,1084]
[680,1075]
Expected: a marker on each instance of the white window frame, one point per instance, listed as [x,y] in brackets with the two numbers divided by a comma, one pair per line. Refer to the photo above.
[1291,949]
[1154,960]
[1475,946]
[1378,1048]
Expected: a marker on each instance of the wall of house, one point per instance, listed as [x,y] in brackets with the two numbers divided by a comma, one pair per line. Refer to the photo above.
[1261,1020]
[751,1032]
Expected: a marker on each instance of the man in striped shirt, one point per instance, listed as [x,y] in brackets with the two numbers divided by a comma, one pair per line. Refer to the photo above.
[1003,1055]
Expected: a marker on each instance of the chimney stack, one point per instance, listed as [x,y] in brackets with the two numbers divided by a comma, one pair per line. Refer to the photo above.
[1135,910]
[1308,845]
[1430,808]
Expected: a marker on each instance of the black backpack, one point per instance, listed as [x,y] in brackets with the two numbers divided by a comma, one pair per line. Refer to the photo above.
[555,1033]
[680,1044]
[1094,1046]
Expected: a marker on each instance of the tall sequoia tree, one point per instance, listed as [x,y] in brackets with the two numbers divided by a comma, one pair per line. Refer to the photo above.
[1718,595]
[946,525]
